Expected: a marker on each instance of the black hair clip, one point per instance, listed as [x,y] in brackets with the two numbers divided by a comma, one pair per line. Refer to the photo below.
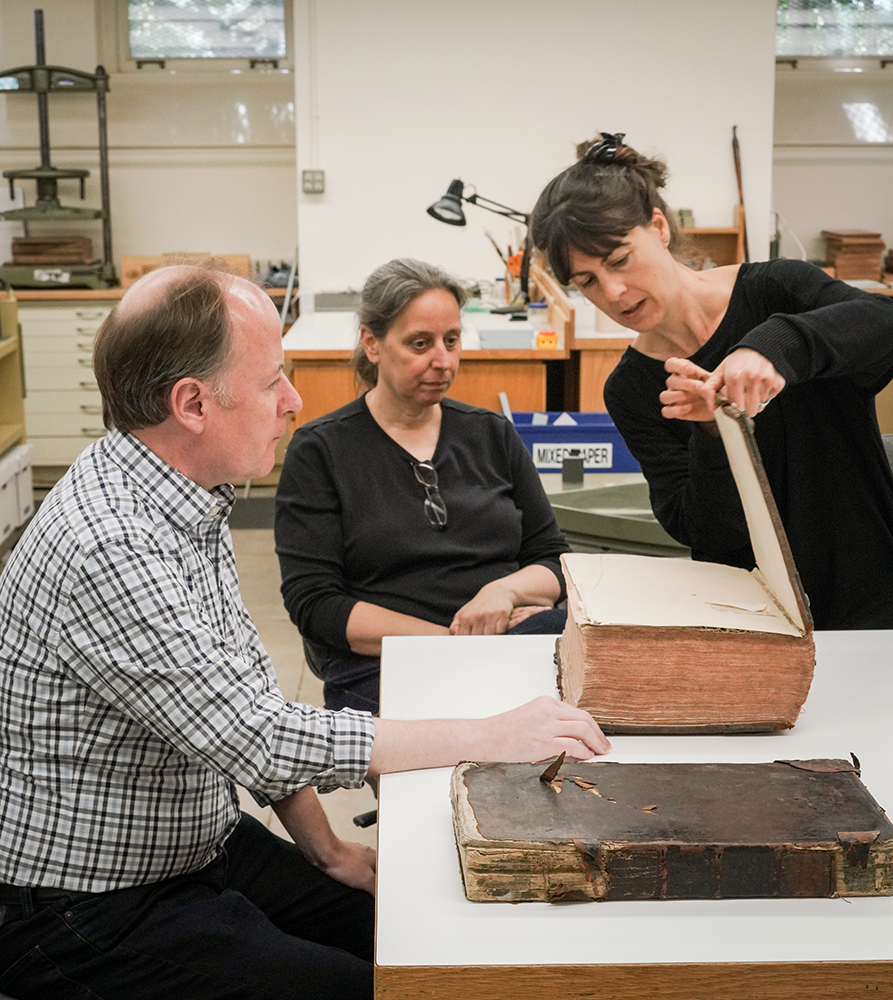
[605,149]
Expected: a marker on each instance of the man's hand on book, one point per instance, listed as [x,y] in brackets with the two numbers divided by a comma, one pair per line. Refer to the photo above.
[543,728]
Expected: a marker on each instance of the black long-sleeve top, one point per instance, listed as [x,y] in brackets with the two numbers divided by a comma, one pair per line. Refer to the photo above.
[351,523]
[819,439]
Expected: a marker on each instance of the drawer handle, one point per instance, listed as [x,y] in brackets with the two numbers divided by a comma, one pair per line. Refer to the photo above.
[92,431]
[91,408]
[88,385]
[85,362]
[91,330]
[90,313]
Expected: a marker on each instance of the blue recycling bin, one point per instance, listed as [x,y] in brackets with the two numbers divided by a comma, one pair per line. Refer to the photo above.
[593,437]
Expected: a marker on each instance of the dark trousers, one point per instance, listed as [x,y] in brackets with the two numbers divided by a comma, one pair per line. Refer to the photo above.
[258,922]
[352,681]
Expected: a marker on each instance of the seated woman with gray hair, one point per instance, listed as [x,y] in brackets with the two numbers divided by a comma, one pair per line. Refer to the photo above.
[408,513]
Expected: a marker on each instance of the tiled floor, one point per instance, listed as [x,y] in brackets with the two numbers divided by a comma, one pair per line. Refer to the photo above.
[259,580]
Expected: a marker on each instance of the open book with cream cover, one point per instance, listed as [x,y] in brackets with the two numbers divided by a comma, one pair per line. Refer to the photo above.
[670,645]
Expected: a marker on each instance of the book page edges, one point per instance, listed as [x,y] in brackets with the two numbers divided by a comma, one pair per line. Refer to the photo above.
[651,591]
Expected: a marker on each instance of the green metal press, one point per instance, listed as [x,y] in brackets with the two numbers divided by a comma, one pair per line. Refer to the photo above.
[43,80]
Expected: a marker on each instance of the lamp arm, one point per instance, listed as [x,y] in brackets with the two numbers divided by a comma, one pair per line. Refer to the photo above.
[495,207]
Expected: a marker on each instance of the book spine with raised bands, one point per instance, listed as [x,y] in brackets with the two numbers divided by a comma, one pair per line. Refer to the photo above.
[672,871]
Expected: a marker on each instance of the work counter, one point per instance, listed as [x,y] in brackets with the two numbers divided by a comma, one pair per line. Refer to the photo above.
[320,346]
[432,942]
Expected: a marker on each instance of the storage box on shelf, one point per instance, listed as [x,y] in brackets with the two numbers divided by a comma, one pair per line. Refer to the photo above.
[24,455]
[9,507]
[16,492]
[855,254]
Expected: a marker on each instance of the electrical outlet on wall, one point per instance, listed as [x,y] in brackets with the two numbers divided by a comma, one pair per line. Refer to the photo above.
[313,181]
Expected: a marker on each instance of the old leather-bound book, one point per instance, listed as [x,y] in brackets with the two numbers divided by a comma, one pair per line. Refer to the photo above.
[655,645]
[606,831]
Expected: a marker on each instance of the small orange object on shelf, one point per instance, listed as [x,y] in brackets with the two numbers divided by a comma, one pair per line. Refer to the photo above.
[513,264]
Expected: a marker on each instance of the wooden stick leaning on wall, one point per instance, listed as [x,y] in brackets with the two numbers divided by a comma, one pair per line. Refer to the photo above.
[736,154]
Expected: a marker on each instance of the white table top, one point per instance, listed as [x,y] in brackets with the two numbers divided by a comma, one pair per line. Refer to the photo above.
[424,919]
[337,331]
[318,331]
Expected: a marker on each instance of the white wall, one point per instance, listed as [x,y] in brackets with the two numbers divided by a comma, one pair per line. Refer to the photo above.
[827,175]
[198,162]
[397,97]
[394,99]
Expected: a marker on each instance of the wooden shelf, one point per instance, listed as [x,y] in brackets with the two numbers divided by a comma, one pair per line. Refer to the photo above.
[10,434]
[722,244]
[86,294]
[8,345]
[12,401]
[68,294]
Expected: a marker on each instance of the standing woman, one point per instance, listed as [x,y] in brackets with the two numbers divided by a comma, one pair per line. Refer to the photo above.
[406,513]
[800,352]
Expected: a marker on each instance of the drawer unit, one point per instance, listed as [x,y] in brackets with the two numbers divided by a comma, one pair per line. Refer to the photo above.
[68,313]
[63,409]
[44,351]
[82,402]
[44,425]
[52,380]
[60,450]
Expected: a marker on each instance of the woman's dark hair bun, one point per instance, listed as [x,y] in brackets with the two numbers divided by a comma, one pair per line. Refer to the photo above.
[591,206]
[606,148]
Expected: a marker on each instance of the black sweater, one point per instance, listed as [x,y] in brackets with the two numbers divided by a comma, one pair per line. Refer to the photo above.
[818,438]
[351,524]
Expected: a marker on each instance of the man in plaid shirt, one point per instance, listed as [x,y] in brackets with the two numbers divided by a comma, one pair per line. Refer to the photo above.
[135,695]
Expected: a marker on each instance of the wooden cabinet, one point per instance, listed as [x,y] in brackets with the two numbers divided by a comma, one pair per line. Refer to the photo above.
[521,375]
[325,381]
[593,366]
[722,245]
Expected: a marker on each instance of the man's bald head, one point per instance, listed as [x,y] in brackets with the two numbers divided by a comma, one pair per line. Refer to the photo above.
[173,323]
[154,285]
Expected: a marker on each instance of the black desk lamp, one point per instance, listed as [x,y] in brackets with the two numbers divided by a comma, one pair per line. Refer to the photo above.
[449,210]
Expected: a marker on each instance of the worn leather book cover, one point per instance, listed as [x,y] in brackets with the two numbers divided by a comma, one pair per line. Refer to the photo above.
[657,645]
[608,831]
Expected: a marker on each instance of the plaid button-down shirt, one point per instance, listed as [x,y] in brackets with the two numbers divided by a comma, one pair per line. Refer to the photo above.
[134,688]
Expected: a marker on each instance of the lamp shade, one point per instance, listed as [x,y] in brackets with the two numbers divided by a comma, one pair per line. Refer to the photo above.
[449,208]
